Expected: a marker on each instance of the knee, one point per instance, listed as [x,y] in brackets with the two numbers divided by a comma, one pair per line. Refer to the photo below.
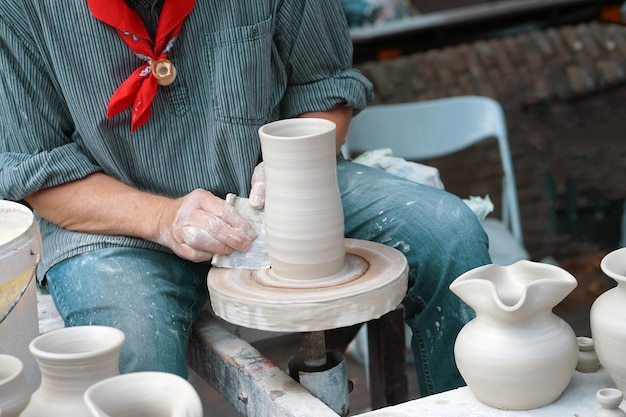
[455,222]
[443,233]
[467,221]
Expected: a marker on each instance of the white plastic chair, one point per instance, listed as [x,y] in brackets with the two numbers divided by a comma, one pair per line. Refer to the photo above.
[429,129]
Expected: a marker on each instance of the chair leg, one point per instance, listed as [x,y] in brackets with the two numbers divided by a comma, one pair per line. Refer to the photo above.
[386,343]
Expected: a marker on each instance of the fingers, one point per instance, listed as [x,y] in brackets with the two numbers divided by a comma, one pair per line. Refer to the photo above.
[257,192]
[187,252]
[205,225]
[220,232]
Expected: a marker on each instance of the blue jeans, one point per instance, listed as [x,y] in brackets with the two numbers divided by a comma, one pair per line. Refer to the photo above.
[154,297]
[441,239]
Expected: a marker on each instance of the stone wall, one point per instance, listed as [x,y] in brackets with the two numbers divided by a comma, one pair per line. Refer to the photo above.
[564,92]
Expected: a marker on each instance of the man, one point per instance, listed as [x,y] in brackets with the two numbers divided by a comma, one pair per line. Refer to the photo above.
[126,122]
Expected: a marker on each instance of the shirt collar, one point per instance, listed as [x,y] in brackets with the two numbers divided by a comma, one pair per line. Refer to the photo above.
[145,4]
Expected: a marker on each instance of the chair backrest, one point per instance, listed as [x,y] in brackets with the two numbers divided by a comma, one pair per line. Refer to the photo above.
[429,129]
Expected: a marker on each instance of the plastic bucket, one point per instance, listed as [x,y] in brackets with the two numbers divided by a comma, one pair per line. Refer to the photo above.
[20,251]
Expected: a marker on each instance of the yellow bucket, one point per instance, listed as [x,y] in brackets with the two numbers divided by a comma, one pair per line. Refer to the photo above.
[20,251]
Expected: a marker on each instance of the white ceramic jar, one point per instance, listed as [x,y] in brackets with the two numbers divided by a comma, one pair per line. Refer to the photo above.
[587,358]
[608,319]
[15,391]
[609,400]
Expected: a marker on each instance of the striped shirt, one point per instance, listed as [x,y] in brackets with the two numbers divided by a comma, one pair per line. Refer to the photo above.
[240,64]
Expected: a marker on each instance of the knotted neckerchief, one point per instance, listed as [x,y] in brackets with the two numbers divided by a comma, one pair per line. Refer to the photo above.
[140,87]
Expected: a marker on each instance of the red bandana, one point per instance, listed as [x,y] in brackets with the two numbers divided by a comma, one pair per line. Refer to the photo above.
[140,88]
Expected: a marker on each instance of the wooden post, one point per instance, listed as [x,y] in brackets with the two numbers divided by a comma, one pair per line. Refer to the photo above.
[388,381]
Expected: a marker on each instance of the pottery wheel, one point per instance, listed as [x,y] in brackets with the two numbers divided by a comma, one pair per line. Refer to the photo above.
[372,283]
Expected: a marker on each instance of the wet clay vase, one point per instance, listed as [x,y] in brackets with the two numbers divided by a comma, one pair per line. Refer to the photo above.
[303,213]
[608,319]
[15,390]
[143,394]
[515,354]
[71,360]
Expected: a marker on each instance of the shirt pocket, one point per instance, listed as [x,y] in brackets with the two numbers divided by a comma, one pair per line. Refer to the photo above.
[241,72]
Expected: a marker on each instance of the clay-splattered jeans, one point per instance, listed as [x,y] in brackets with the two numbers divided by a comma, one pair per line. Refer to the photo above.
[154,297]
[441,238]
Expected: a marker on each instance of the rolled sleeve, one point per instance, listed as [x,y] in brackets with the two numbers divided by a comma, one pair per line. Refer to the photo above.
[36,131]
[316,45]
[23,174]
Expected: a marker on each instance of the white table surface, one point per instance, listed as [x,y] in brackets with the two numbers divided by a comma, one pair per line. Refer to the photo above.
[578,400]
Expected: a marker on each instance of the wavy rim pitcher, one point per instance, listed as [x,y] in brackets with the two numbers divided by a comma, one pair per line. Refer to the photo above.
[138,394]
[483,288]
[516,354]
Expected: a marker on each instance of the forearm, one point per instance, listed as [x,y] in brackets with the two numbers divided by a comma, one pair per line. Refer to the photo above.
[101,204]
[341,116]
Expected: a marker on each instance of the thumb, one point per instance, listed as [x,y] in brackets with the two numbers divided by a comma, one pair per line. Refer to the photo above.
[257,193]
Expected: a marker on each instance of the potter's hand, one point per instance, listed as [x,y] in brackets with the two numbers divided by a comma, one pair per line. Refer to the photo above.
[200,224]
[257,192]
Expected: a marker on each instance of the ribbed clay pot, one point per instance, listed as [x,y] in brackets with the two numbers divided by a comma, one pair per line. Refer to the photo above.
[71,360]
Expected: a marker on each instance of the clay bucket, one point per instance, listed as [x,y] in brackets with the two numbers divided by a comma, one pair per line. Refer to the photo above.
[20,250]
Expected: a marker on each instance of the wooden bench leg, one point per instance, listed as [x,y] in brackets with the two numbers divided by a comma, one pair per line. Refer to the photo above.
[386,343]
[246,378]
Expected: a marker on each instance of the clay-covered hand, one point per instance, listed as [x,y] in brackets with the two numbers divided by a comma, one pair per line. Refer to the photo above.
[257,192]
[201,224]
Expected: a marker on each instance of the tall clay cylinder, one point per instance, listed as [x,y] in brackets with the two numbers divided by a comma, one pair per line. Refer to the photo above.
[303,213]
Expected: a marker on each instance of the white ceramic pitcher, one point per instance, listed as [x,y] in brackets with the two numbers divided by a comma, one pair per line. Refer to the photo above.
[143,394]
[516,354]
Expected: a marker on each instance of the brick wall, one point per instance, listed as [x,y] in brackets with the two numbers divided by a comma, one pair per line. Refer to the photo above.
[564,93]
